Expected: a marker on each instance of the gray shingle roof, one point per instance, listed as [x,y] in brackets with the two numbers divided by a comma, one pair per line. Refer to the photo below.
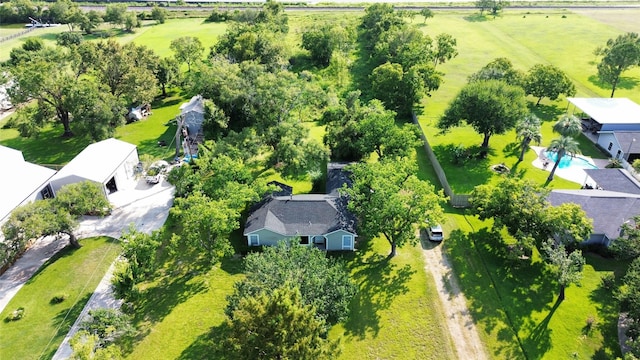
[625,138]
[301,215]
[615,180]
[608,209]
[336,177]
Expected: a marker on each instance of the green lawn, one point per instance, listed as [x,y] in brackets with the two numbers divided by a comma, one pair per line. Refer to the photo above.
[396,313]
[509,298]
[73,272]
[526,39]
[181,314]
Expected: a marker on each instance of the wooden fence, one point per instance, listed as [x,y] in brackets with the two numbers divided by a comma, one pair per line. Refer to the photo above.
[13,36]
[456,200]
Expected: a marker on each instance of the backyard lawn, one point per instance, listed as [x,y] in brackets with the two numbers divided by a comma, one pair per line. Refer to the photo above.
[74,273]
[556,37]
[514,303]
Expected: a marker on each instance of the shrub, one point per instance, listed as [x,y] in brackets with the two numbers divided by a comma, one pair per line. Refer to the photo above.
[614,164]
[58,298]
[608,281]
[636,165]
[15,315]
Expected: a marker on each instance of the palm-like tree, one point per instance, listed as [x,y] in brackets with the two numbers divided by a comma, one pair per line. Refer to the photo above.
[528,130]
[568,125]
[561,146]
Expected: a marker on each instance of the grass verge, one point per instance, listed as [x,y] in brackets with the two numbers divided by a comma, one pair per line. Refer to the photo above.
[74,273]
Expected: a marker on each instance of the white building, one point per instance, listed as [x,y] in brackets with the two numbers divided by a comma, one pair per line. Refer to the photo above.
[110,162]
[20,181]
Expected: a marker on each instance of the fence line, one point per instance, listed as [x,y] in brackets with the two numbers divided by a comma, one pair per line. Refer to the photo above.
[12,36]
[456,200]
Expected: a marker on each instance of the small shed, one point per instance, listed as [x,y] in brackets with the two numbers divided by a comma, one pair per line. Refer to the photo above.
[110,163]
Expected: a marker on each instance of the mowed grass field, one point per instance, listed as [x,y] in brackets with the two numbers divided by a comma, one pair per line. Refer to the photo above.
[396,316]
[562,38]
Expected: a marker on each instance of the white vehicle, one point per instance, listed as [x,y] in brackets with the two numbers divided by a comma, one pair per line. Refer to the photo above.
[435,233]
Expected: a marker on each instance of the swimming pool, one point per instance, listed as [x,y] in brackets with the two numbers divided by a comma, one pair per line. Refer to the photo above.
[569,162]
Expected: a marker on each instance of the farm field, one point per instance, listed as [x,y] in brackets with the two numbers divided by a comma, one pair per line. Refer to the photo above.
[394,316]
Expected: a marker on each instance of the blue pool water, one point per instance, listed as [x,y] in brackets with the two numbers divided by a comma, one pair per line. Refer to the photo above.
[568,162]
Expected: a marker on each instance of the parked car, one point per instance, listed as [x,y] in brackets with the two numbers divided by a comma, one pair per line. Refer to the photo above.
[435,233]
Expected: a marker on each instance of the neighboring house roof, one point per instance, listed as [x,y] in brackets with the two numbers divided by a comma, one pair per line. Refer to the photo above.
[312,214]
[609,110]
[629,141]
[98,161]
[336,177]
[619,180]
[19,179]
[608,209]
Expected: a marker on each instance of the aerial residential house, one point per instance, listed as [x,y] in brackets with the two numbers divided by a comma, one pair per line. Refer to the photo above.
[20,181]
[612,123]
[613,200]
[320,220]
[111,163]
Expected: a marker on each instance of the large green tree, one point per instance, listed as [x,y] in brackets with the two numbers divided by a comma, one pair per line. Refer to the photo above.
[278,325]
[398,89]
[521,207]
[499,69]
[128,70]
[618,55]
[547,81]
[566,266]
[562,146]
[323,281]
[490,107]
[627,246]
[322,41]
[187,49]
[389,200]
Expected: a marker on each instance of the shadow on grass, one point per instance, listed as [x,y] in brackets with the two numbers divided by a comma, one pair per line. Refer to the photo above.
[502,293]
[379,281]
[171,290]
[49,147]
[546,112]
[210,345]
[476,17]
[63,322]
[624,82]
[607,307]
[465,175]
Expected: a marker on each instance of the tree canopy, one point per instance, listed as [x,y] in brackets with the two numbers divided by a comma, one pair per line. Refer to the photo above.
[323,282]
[548,81]
[489,106]
[566,266]
[278,325]
[388,199]
[618,55]
[521,206]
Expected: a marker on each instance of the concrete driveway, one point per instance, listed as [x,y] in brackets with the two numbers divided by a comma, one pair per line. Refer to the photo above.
[147,207]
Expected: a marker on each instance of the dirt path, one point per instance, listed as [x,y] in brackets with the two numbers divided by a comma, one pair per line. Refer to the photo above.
[459,321]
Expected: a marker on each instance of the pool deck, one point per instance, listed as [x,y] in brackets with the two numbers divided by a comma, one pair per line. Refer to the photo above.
[574,174]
